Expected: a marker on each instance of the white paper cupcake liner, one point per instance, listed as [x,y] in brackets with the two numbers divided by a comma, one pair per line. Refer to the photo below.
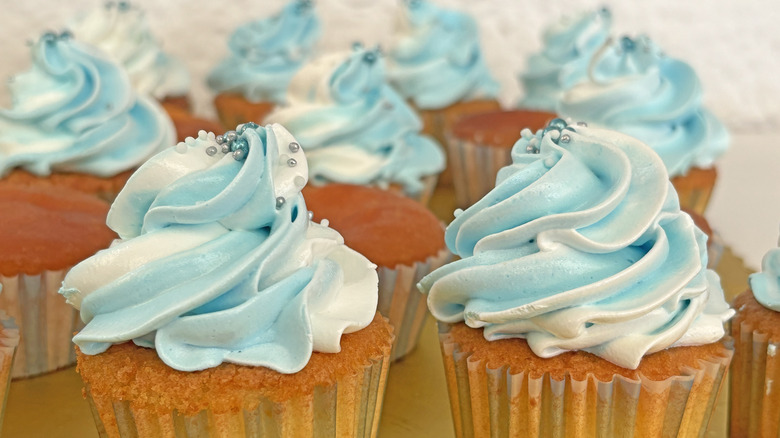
[755,384]
[348,408]
[403,304]
[499,403]
[46,322]
[9,340]
[474,169]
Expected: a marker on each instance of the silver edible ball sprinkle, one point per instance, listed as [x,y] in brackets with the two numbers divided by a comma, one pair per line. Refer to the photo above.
[220,139]
[291,162]
[225,148]
[211,151]
[279,202]
[565,138]
[310,214]
[239,154]
[231,136]
[582,124]
[294,147]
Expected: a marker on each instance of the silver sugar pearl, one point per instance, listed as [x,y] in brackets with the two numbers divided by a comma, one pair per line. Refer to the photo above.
[291,162]
[310,214]
[220,139]
[279,202]
[231,136]
[239,154]
[565,138]
[225,148]
[582,124]
[211,151]
[530,149]
[294,147]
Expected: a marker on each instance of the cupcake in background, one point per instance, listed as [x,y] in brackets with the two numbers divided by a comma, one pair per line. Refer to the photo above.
[9,341]
[402,237]
[76,121]
[356,129]
[43,233]
[223,310]
[581,302]
[634,88]
[755,400]
[563,62]
[264,56]
[436,63]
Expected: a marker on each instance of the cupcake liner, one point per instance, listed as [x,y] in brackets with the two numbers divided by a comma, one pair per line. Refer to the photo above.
[498,402]
[349,407]
[45,320]
[695,188]
[474,167]
[9,340]
[403,304]
[755,384]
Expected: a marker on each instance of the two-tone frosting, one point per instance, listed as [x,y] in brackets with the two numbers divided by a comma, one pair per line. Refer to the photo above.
[636,89]
[581,246]
[121,30]
[356,129]
[436,59]
[265,54]
[568,46]
[76,111]
[218,261]
[766,284]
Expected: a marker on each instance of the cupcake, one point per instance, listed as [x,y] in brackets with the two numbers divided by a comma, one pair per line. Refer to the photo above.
[43,234]
[403,238]
[224,310]
[581,305]
[481,144]
[568,46]
[636,89]
[756,330]
[356,129]
[436,63]
[121,30]
[264,56]
[76,121]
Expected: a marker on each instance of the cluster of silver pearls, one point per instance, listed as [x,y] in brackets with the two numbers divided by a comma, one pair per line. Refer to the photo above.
[233,143]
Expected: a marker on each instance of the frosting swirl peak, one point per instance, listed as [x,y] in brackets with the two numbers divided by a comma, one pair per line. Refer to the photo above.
[581,246]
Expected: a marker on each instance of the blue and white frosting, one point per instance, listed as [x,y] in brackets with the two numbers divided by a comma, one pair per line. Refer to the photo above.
[218,261]
[581,246]
[265,54]
[563,62]
[436,59]
[636,89]
[766,284]
[356,129]
[75,111]
[121,30]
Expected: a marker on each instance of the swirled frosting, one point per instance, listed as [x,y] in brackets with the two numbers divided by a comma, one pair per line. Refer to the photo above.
[356,129]
[122,31]
[436,59]
[766,284]
[75,111]
[581,246]
[563,62]
[218,261]
[265,54]
[635,89]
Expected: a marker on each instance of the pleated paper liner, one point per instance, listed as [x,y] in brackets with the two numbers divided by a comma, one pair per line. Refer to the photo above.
[403,304]
[695,188]
[474,168]
[9,340]
[46,322]
[490,402]
[755,384]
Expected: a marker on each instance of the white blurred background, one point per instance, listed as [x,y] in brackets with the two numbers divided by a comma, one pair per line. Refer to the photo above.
[733,45]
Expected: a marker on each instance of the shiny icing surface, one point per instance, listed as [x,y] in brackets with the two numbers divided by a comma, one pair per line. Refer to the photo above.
[766,284]
[75,111]
[355,128]
[636,89]
[265,54]
[563,62]
[218,261]
[581,246]
[121,30]
[436,59]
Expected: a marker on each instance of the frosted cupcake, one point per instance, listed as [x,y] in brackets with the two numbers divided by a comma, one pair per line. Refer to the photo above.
[436,63]
[121,30]
[356,129]
[636,89]
[76,122]
[581,302]
[568,46]
[264,56]
[756,330]
[224,310]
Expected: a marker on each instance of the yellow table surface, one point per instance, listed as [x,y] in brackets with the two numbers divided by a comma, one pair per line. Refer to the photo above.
[416,403]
